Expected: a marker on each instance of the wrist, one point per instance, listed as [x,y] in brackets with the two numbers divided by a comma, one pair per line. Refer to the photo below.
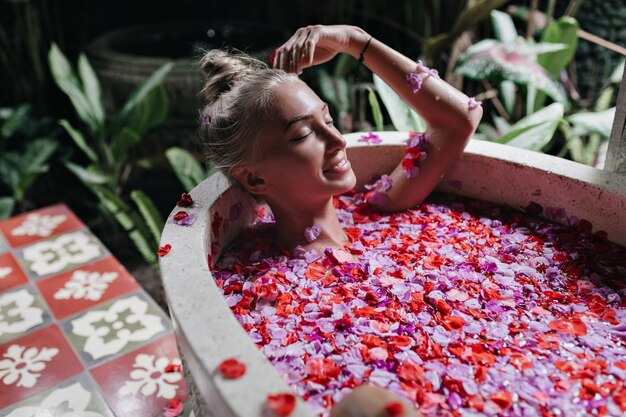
[358,40]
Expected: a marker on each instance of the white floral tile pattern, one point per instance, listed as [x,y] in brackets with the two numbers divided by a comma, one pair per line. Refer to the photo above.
[61,253]
[37,224]
[85,285]
[137,384]
[20,311]
[23,366]
[77,397]
[116,327]
[64,298]
[34,362]
[148,377]
[5,271]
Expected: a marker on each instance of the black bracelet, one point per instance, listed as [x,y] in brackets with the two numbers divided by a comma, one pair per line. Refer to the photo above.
[361,59]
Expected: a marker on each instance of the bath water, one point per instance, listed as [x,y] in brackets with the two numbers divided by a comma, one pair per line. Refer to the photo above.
[461,307]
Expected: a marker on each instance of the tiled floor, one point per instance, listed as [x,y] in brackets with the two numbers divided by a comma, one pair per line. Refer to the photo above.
[78,335]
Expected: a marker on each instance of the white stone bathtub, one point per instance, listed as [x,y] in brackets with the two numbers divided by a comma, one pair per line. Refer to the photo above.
[207,331]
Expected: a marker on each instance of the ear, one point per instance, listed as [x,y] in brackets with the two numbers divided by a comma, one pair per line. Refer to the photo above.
[250,180]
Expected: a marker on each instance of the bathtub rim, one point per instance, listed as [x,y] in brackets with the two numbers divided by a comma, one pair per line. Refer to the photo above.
[188,288]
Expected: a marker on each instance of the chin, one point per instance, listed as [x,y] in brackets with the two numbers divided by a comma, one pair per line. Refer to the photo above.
[347,183]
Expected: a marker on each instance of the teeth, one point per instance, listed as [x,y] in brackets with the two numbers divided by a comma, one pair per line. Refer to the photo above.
[341,163]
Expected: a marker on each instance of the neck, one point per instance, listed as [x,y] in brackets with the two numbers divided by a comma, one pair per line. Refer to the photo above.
[291,224]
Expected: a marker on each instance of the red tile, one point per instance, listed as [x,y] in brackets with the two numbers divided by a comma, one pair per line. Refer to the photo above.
[86,286]
[34,362]
[39,224]
[148,390]
[11,274]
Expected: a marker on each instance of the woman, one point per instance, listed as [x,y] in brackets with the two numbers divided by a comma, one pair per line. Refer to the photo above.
[268,131]
[271,134]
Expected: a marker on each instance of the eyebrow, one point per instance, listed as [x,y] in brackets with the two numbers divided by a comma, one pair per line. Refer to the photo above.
[302,117]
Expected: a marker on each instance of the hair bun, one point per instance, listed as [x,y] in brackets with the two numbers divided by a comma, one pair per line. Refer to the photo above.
[223,69]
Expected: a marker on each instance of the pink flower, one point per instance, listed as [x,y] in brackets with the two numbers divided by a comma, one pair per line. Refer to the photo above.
[370,138]
[312,233]
[415,81]
[424,69]
[472,103]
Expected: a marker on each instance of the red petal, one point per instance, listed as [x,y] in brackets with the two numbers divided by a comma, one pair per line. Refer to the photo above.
[181,215]
[272,56]
[185,200]
[232,368]
[395,409]
[503,399]
[172,367]
[164,250]
[281,404]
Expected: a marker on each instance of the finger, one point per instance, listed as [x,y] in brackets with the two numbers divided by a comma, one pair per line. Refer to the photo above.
[302,53]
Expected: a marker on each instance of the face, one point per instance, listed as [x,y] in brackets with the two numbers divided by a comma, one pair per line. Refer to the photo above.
[302,158]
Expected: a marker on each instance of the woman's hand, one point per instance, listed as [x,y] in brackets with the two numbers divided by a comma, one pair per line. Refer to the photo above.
[317,44]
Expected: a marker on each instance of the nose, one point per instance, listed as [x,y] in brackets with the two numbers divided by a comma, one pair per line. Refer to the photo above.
[334,140]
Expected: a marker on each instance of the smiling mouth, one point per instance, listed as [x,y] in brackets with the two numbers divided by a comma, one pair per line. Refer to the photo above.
[340,167]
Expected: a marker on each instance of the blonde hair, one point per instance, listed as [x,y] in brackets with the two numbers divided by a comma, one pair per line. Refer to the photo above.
[238,91]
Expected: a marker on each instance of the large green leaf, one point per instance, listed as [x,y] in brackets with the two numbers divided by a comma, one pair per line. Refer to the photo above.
[503,26]
[150,112]
[376,113]
[138,95]
[187,169]
[402,116]
[91,88]
[586,123]
[562,31]
[123,141]
[7,204]
[149,213]
[79,140]
[37,153]
[89,177]
[130,221]
[496,61]
[66,80]
[536,130]
[15,120]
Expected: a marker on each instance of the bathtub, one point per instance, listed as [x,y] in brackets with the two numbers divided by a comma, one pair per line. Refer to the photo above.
[208,333]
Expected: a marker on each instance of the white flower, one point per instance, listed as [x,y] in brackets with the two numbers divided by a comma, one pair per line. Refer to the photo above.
[54,255]
[74,398]
[23,366]
[38,225]
[4,272]
[149,376]
[109,331]
[86,285]
[17,314]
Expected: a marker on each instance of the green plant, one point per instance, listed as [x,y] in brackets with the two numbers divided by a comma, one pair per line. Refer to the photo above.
[107,142]
[522,69]
[189,172]
[26,147]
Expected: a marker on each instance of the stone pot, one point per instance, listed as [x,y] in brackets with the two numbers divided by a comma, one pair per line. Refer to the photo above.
[125,57]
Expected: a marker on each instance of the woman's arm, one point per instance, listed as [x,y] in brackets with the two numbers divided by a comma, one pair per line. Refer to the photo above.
[446,111]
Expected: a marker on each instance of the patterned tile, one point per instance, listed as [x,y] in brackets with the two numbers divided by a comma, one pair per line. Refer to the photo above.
[11,274]
[21,310]
[3,245]
[86,286]
[60,254]
[32,363]
[137,385]
[39,224]
[77,396]
[116,327]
